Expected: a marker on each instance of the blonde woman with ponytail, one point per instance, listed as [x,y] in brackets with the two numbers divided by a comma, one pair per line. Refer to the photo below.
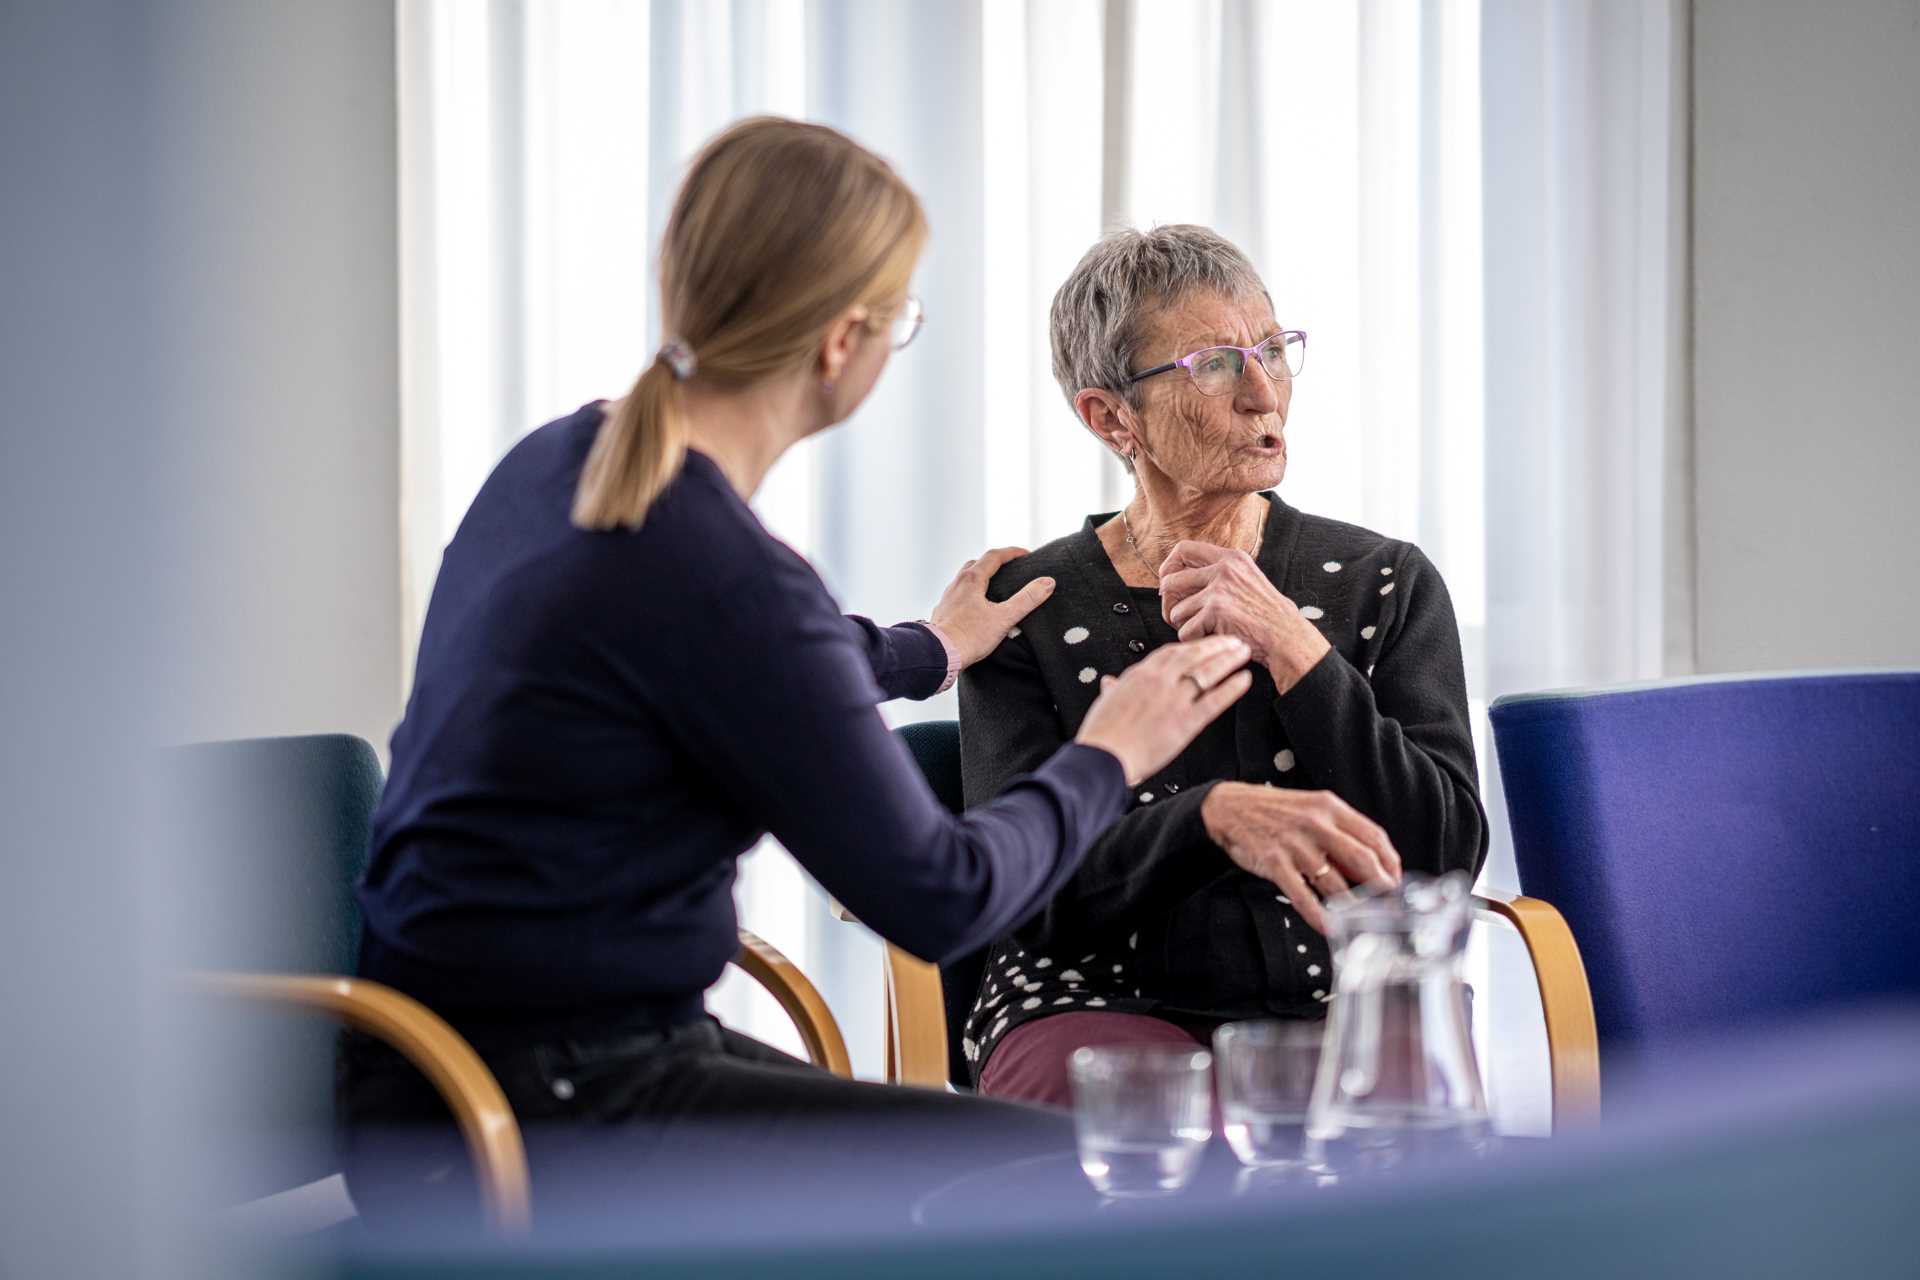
[624,683]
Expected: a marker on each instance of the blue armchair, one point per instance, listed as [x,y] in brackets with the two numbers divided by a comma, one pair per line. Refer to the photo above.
[1727,851]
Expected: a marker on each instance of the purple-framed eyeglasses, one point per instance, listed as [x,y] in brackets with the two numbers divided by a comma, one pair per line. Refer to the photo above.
[1216,370]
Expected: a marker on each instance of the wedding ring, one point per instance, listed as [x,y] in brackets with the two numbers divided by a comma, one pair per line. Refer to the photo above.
[1324,868]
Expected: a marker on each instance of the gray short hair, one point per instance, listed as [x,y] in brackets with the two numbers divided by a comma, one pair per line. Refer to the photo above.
[1099,315]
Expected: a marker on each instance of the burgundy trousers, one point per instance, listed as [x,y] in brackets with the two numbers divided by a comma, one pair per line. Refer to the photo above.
[1030,1062]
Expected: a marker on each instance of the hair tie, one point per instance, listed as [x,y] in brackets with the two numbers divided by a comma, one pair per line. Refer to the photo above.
[678,357]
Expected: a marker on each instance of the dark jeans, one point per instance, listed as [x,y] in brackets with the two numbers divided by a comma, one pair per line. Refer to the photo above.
[676,1133]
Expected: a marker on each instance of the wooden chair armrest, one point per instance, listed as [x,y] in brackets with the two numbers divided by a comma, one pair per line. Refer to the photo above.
[1573,1041]
[915,1016]
[916,1021]
[765,964]
[442,1055]
[917,1025]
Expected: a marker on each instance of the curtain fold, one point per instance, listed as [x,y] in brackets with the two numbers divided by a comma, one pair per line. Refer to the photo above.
[1588,490]
[1588,487]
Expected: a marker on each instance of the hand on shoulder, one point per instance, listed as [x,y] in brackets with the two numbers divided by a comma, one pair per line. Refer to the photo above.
[975,625]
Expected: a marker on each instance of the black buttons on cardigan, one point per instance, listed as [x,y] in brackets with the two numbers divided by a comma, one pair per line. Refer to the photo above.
[1122,606]
[1137,646]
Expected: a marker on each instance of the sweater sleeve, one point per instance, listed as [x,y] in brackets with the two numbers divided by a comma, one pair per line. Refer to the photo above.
[907,661]
[1396,743]
[1156,854]
[777,707]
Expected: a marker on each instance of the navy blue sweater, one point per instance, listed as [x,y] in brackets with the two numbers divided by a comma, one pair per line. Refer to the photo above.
[601,723]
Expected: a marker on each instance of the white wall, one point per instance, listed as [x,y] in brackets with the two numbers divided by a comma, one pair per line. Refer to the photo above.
[277,214]
[1806,243]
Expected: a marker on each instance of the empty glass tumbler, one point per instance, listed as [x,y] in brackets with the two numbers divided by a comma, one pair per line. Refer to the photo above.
[1265,1072]
[1142,1115]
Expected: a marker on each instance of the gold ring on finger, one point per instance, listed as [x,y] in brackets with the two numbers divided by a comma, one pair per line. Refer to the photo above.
[1324,868]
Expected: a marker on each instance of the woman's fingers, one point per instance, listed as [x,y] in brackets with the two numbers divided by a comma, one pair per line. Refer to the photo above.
[970,622]
[1303,899]
[1325,879]
[1211,660]
[990,562]
[1175,587]
[1026,600]
[1356,861]
[1181,658]
[1172,661]
[1186,581]
[1369,833]
[1150,714]
[1188,554]
[1211,704]
[1179,611]
[1374,836]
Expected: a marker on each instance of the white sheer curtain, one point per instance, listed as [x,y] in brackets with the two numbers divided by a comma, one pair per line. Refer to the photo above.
[1587,442]
[1588,510]
[1339,144]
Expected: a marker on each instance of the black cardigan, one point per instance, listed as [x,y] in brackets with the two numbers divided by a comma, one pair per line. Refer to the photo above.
[602,722]
[1158,918]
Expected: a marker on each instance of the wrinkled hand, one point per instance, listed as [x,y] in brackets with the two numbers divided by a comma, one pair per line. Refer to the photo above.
[1148,716]
[974,624]
[1311,844]
[1207,590]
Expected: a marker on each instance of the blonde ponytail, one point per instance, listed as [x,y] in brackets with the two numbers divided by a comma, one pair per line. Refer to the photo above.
[636,454]
[779,228]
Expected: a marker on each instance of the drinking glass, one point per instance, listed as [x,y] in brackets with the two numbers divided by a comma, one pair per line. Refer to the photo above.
[1142,1115]
[1265,1072]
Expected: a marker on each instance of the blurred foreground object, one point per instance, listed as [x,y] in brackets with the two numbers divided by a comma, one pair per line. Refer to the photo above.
[1788,1153]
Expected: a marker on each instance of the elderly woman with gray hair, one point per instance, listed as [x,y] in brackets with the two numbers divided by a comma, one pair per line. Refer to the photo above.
[1349,760]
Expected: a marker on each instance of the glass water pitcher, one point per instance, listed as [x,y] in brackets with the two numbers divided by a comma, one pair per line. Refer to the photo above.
[1398,1077]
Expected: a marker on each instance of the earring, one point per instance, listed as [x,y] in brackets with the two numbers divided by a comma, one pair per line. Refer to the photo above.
[1133,454]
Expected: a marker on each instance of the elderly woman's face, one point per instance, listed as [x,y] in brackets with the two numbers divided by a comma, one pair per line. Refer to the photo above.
[1232,443]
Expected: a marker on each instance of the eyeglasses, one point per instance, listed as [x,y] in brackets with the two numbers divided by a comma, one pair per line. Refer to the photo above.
[1216,370]
[906,322]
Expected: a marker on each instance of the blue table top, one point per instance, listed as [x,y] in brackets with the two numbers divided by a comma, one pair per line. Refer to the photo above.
[1772,1154]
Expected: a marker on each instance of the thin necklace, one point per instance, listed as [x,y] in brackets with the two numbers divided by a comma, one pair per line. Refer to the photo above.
[1135,547]
[1126,524]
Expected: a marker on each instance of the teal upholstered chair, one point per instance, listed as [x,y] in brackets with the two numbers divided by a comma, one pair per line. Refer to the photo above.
[282,826]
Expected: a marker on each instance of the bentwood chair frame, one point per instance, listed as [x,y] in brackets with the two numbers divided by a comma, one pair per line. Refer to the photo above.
[449,1062]
[440,1053]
